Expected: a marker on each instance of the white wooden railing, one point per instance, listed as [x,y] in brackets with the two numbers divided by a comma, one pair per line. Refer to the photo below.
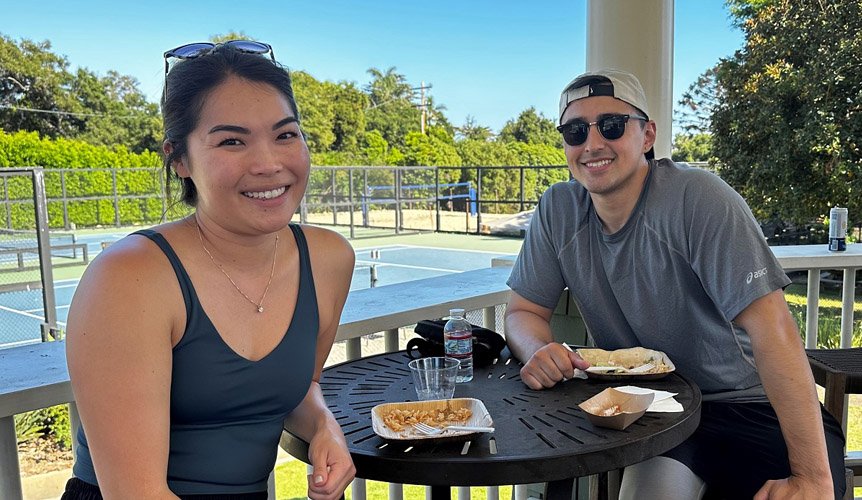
[814,259]
[35,376]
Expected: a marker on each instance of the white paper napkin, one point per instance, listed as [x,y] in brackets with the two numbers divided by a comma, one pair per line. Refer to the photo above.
[663,402]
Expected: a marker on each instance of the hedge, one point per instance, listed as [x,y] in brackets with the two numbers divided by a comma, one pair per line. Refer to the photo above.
[86,172]
[99,169]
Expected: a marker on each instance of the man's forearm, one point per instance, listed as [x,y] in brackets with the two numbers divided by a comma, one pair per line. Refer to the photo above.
[789,386]
[526,333]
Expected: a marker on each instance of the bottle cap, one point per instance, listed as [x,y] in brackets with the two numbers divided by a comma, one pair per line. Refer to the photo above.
[456,312]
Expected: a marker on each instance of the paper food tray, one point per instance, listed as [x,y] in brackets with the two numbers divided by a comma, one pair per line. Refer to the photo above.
[631,406]
[479,417]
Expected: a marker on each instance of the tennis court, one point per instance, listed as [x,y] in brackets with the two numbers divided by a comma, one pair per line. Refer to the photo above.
[389,263]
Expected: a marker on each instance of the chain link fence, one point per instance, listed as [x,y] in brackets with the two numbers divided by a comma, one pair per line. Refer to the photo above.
[27,258]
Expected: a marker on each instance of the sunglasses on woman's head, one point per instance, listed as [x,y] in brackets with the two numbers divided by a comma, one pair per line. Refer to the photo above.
[612,127]
[193,50]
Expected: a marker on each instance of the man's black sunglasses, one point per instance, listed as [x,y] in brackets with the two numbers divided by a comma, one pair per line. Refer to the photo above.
[193,50]
[612,127]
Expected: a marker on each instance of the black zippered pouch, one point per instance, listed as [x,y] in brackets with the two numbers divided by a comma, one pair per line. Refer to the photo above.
[487,344]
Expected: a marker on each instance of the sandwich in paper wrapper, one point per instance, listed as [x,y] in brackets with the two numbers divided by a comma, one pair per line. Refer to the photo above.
[627,359]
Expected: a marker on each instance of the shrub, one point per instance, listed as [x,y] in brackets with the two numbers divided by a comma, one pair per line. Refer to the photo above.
[52,423]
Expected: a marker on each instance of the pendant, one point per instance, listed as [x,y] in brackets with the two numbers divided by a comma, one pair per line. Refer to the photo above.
[260,309]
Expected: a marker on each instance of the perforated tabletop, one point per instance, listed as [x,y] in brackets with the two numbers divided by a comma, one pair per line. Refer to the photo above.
[540,435]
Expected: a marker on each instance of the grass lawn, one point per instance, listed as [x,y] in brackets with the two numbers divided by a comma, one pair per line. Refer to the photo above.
[291,484]
[830,298]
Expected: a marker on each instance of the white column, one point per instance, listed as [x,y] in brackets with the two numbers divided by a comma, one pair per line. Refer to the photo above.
[390,340]
[848,299]
[637,36]
[812,308]
[489,318]
[353,348]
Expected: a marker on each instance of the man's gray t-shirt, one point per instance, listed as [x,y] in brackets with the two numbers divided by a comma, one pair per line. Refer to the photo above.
[690,258]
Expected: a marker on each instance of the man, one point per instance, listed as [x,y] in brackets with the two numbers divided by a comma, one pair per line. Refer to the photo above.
[669,257]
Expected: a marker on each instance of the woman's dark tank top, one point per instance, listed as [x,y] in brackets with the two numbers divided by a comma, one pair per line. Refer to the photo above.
[226,411]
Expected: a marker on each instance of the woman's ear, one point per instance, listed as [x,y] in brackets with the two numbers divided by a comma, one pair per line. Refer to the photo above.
[178,164]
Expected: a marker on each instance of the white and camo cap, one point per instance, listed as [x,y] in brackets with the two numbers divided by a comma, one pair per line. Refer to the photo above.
[610,82]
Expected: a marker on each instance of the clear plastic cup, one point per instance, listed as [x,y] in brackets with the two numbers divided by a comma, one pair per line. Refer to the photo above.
[434,378]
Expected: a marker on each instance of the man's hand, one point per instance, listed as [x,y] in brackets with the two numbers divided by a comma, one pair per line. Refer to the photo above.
[549,365]
[795,487]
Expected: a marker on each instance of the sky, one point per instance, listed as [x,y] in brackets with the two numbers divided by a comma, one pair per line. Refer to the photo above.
[489,59]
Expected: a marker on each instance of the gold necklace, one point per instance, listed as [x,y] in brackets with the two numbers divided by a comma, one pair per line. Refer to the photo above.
[258,305]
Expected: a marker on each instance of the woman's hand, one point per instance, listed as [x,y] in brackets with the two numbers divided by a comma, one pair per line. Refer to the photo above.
[332,466]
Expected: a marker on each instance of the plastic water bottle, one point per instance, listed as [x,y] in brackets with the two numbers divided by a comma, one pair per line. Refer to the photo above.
[458,338]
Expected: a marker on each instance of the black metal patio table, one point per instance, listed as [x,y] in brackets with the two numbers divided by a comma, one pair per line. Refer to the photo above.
[540,436]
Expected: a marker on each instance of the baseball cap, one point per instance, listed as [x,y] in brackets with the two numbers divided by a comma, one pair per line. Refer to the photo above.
[606,82]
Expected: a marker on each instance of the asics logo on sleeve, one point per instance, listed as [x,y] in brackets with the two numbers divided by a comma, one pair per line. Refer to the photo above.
[754,275]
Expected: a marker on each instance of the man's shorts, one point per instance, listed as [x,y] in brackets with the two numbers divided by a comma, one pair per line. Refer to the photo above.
[739,446]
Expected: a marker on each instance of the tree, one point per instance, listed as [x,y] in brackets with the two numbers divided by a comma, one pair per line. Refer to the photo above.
[116,112]
[533,128]
[231,35]
[391,110]
[39,93]
[34,89]
[692,147]
[315,101]
[387,86]
[787,131]
[741,10]
[472,131]
[435,116]
[376,149]
[430,150]
[394,121]
[697,103]
[349,123]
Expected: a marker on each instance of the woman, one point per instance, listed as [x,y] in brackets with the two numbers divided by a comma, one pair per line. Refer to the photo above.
[189,344]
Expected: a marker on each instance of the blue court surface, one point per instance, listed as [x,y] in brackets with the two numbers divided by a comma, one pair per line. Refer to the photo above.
[21,312]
